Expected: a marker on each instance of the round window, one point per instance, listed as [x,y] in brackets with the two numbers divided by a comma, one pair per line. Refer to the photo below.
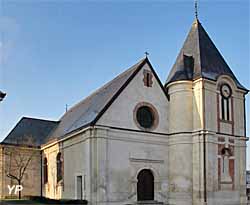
[145,117]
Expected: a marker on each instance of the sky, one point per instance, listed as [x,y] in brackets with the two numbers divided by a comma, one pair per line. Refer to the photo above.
[57,52]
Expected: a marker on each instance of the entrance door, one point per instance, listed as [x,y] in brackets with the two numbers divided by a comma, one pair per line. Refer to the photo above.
[145,185]
[79,187]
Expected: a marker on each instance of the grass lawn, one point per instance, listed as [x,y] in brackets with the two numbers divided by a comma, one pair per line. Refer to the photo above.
[27,202]
[23,202]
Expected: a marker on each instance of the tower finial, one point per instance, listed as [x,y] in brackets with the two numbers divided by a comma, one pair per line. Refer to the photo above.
[196,8]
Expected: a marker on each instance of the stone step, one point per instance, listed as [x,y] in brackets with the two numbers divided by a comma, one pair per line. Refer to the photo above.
[147,203]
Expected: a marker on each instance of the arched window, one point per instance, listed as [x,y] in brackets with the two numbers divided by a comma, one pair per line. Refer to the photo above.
[225,102]
[59,166]
[45,170]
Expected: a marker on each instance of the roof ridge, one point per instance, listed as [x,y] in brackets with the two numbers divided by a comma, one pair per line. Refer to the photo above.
[40,119]
[198,24]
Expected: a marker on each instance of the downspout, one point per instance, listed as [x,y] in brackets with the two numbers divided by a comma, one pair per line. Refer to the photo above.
[167,93]
[2,173]
[205,171]
[204,144]
[245,123]
[41,172]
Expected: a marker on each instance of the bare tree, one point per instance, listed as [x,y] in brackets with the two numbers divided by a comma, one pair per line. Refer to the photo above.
[17,162]
[2,95]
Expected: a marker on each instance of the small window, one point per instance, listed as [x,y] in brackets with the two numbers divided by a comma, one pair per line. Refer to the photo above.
[148,78]
[59,166]
[225,102]
[189,65]
[45,170]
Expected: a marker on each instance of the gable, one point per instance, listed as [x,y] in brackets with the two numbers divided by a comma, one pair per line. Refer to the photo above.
[122,112]
[89,110]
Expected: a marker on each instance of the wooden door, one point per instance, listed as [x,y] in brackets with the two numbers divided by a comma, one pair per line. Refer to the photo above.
[145,185]
[79,187]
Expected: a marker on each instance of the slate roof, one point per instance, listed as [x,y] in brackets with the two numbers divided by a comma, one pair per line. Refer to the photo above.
[30,132]
[89,110]
[198,58]
[35,132]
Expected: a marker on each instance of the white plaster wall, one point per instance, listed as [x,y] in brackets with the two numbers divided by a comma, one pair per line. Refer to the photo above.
[212,162]
[76,155]
[198,169]
[225,128]
[210,97]
[240,176]
[180,107]
[76,163]
[197,109]
[126,153]
[180,169]
[184,106]
[239,114]
[120,113]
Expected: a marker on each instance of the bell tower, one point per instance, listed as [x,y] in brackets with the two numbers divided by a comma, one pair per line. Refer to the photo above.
[207,125]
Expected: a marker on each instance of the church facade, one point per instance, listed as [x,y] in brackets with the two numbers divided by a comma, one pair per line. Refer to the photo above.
[136,140]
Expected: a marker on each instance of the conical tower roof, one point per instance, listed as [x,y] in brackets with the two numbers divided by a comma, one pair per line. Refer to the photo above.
[199,58]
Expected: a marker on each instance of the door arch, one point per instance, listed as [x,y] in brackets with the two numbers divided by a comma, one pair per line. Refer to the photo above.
[145,185]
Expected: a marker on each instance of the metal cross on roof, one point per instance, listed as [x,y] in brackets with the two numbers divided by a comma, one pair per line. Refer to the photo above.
[146,53]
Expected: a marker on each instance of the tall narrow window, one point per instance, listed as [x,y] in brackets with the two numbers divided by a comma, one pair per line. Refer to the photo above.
[45,170]
[225,102]
[148,78]
[59,166]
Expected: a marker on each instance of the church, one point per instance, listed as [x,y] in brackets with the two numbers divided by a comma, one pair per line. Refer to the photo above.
[138,141]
